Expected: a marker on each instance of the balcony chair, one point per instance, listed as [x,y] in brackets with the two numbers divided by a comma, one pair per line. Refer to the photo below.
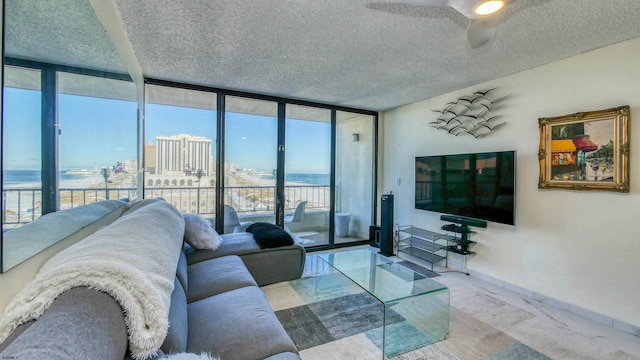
[297,215]
[296,218]
[231,221]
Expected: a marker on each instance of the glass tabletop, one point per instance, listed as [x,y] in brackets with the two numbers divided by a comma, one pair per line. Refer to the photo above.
[386,280]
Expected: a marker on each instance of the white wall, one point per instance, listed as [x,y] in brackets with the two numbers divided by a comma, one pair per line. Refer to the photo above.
[579,247]
[354,179]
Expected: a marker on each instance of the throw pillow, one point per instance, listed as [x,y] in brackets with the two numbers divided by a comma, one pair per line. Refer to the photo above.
[269,235]
[199,234]
[272,238]
[261,226]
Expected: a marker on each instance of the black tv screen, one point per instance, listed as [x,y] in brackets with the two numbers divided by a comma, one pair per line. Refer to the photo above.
[480,186]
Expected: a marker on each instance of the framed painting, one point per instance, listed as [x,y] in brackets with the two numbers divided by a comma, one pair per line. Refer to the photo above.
[585,151]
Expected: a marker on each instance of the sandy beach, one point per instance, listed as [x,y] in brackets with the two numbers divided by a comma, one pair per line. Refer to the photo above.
[29,205]
[84,182]
[316,196]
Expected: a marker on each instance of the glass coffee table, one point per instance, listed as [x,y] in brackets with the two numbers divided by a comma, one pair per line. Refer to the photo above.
[416,308]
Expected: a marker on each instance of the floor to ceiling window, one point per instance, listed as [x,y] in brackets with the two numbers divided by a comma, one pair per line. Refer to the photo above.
[91,146]
[69,139]
[250,163]
[97,139]
[308,173]
[261,159]
[179,150]
[22,186]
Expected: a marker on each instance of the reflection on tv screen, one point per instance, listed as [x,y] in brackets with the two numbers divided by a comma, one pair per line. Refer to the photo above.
[480,185]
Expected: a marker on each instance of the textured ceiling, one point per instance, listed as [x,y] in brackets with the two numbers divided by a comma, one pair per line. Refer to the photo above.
[355,53]
[64,32]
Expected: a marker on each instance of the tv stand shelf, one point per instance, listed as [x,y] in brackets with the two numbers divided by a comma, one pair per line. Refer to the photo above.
[427,245]
[460,243]
[434,247]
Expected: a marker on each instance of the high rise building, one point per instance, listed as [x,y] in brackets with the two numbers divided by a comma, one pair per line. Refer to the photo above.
[183,154]
[150,158]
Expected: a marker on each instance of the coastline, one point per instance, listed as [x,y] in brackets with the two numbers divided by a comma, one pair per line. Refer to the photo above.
[84,181]
[260,179]
[126,180]
[247,192]
[25,202]
[316,196]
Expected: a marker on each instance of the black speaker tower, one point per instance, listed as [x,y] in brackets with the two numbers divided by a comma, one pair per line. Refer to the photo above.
[386,225]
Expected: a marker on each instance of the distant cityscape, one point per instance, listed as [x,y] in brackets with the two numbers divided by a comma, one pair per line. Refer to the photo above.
[179,155]
[174,167]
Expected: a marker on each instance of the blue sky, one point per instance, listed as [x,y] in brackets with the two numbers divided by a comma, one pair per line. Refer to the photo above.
[99,132]
[21,129]
[251,140]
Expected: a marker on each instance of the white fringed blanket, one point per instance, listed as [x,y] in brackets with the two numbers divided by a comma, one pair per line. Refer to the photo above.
[134,259]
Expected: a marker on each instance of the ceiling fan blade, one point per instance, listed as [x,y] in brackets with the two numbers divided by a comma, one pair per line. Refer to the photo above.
[421,2]
[464,7]
[480,32]
[481,29]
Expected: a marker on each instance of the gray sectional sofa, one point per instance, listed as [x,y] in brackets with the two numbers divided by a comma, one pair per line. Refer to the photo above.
[267,266]
[216,306]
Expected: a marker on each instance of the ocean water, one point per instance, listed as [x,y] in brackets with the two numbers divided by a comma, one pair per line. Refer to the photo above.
[310,179]
[31,176]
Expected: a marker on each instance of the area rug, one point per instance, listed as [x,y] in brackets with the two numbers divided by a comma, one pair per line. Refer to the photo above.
[328,317]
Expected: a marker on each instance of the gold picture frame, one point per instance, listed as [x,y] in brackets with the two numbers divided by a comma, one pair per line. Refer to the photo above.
[585,151]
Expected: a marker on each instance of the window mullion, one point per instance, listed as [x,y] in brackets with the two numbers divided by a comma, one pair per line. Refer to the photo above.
[50,134]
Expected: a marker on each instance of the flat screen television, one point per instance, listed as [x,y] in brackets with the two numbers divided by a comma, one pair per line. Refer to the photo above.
[479,186]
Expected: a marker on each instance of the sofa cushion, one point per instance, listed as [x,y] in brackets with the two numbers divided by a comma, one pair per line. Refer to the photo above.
[81,323]
[234,244]
[270,266]
[284,356]
[199,233]
[187,356]
[267,266]
[176,340]
[245,326]
[181,273]
[15,334]
[212,277]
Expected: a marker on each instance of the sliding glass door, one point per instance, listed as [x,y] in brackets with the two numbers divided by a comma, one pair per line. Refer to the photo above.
[97,139]
[179,153]
[239,159]
[308,174]
[250,162]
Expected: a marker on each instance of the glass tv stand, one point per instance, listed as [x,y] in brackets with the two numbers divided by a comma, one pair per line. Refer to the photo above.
[416,308]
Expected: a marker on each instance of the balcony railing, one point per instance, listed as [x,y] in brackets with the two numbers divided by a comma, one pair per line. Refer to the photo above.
[22,205]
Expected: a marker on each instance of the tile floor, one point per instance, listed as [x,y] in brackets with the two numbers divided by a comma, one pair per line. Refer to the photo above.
[486,322]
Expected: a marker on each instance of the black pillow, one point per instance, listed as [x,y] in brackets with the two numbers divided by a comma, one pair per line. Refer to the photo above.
[272,238]
[261,226]
[269,235]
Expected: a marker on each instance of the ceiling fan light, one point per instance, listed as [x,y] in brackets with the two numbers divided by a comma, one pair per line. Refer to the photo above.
[488,7]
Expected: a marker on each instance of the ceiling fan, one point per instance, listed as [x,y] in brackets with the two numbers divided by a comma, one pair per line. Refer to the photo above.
[484,15]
